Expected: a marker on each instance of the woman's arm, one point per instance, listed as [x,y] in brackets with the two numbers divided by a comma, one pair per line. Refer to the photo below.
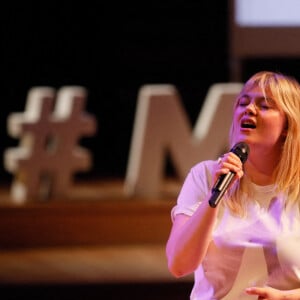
[189,239]
[190,236]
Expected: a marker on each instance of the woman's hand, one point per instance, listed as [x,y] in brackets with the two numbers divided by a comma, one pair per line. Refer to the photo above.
[229,162]
[268,293]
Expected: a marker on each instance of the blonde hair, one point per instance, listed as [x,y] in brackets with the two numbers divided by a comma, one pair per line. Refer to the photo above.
[285,91]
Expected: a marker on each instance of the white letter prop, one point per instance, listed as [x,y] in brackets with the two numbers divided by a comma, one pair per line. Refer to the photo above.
[161,125]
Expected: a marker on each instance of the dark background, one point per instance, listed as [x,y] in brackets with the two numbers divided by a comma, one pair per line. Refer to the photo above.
[112,50]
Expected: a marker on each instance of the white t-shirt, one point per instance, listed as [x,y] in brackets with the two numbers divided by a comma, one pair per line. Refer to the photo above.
[260,249]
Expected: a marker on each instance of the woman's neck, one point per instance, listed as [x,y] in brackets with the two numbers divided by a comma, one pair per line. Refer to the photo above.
[260,167]
[258,177]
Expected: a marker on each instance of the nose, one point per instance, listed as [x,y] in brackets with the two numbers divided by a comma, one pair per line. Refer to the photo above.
[251,109]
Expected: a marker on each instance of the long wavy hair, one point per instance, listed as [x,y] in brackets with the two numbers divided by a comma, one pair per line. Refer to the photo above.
[285,91]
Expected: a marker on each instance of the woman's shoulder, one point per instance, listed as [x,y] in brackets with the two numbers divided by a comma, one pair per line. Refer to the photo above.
[201,172]
[205,165]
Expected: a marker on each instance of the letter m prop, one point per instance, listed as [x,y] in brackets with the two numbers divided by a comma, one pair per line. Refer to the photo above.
[162,127]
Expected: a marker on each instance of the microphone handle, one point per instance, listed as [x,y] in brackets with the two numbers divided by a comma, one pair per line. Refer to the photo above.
[220,188]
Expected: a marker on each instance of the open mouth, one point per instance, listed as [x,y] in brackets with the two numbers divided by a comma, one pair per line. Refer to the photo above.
[248,124]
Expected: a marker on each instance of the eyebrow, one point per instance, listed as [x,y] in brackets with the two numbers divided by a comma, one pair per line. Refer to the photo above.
[269,99]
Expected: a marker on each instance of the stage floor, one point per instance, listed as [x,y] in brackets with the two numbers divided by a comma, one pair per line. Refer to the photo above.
[96,235]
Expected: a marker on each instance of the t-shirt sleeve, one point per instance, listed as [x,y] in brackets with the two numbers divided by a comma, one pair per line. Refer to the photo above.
[195,188]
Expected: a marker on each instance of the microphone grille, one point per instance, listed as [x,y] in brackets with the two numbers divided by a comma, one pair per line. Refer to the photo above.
[241,149]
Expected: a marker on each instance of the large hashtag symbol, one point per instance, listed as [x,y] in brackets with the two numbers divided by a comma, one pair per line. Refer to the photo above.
[49,132]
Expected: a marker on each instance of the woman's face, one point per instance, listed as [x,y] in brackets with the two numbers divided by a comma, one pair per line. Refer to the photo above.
[258,120]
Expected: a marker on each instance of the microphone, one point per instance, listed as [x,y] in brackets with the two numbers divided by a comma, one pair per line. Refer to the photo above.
[241,150]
